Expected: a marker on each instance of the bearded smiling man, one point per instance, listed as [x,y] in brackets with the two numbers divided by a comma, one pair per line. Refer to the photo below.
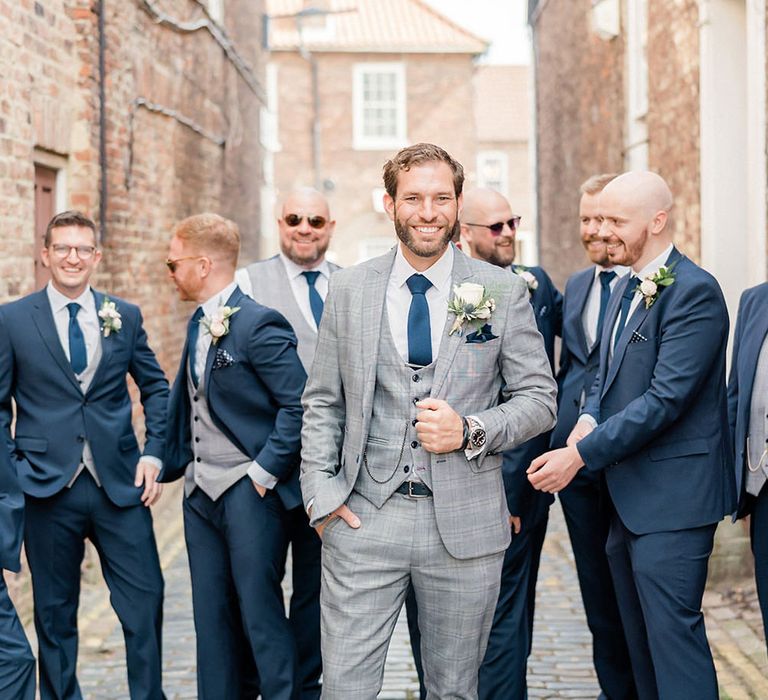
[403,428]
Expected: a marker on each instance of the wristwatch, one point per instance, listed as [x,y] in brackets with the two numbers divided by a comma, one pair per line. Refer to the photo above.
[474,434]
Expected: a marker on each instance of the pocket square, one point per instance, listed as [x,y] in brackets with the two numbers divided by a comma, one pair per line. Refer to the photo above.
[222,359]
[637,338]
[482,336]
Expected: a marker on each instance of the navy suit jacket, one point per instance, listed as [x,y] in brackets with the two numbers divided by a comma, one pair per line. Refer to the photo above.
[522,498]
[751,329]
[579,363]
[663,436]
[54,417]
[11,515]
[255,400]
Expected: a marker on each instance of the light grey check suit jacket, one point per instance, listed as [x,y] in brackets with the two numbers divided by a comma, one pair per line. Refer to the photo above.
[505,382]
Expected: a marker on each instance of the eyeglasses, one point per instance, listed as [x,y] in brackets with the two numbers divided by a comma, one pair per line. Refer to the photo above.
[84,252]
[173,264]
[498,227]
[314,221]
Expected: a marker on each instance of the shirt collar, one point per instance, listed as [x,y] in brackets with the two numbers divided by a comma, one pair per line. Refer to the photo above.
[439,273]
[620,270]
[295,270]
[59,301]
[218,299]
[653,267]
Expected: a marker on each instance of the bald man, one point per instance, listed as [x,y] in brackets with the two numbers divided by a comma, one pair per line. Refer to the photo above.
[488,229]
[655,426]
[295,282]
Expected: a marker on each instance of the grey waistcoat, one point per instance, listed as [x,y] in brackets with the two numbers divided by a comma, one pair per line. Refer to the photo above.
[397,386]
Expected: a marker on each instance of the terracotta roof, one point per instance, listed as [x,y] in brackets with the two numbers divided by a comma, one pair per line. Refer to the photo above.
[370,26]
[502,99]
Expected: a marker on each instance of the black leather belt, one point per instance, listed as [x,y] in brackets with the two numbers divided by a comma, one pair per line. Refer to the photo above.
[414,489]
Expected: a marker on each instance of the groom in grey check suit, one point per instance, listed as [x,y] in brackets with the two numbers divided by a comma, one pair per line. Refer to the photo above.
[404,426]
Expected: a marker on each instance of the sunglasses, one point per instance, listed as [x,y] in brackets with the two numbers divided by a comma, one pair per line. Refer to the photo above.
[313,221]
[498,227]
[173,264]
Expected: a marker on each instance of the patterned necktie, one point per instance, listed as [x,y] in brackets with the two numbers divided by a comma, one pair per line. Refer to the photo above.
[419,331]
[78,356]
[606,277]
[626,302]
[193,332]
[315,300]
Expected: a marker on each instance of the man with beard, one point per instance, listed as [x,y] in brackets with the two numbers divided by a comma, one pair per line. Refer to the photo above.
[414,393]
[488,229]
[295,282]
[584,504]
[656,426]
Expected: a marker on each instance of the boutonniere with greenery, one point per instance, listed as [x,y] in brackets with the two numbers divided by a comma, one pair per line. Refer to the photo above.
[650,287]
[217,325]
[111,321]
[528,277]
[472,305]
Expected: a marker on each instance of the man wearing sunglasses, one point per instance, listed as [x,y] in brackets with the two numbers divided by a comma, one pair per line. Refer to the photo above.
[65,352]
[295,282]
[488,230]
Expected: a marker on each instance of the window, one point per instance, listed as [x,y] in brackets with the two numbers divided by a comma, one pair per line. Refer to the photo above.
[637,85]
[379,116]
[493,171]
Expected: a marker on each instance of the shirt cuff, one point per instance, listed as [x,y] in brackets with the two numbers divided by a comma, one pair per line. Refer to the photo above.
[261,476]
[586,418]
[156,462]
[472,453]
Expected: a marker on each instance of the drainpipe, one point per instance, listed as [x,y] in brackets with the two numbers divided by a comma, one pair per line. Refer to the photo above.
[102,125]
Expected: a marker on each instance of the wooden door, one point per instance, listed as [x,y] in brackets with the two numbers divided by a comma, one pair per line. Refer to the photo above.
[45,208]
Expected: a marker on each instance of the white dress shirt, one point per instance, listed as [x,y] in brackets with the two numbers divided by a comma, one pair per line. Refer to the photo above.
[399,299]
[591,312]
[256,472]
[88,320]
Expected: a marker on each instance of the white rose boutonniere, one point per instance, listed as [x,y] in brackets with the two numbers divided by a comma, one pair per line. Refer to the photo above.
[472,304]
[111,321]
[651,286]
[217,324]
[528,277]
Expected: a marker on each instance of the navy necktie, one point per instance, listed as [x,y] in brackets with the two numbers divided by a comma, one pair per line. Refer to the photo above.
[419,332]
[626,302]
[193,333]
[606,277]
[78,356]
[315,300]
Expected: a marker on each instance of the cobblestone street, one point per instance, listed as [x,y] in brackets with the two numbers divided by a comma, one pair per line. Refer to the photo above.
[560,665]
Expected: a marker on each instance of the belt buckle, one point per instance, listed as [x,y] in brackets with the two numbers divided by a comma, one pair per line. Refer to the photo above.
[411,493]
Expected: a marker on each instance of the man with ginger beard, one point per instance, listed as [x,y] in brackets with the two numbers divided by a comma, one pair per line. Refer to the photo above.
[295,282]
[584,504]
[404,426]
[655,424]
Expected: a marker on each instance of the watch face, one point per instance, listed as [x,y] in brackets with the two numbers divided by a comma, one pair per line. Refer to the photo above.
[477,437]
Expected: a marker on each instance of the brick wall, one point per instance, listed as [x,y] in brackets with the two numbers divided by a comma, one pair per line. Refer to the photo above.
[439,108]
[579,117]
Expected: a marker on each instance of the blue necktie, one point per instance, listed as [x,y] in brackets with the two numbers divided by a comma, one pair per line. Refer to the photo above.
[78,356]
[606,277]
[419,332]
[315,300]
[626,302]
[192,334]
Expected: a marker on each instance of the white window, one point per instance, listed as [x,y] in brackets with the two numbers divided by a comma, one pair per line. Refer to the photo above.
[493,171]
[636,146]
[379,115]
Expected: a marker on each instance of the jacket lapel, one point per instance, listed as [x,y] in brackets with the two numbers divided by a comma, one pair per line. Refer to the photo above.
[234,300]
[574,327]
[609,324]
[106,344]
[42,317]
[449,344]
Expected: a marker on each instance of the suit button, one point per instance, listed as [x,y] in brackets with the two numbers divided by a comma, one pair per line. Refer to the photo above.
[416,400]
[195,398]
[576,403]
[197,439]
[198,459]
[414,444]
[414,421]
[196,419]
[81,438]
[406,469]
[416,378]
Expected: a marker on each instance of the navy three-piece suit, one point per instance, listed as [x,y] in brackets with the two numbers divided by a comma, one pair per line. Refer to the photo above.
[663,444]
[749,336]
[253,382]
[584,502]
[54,418]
